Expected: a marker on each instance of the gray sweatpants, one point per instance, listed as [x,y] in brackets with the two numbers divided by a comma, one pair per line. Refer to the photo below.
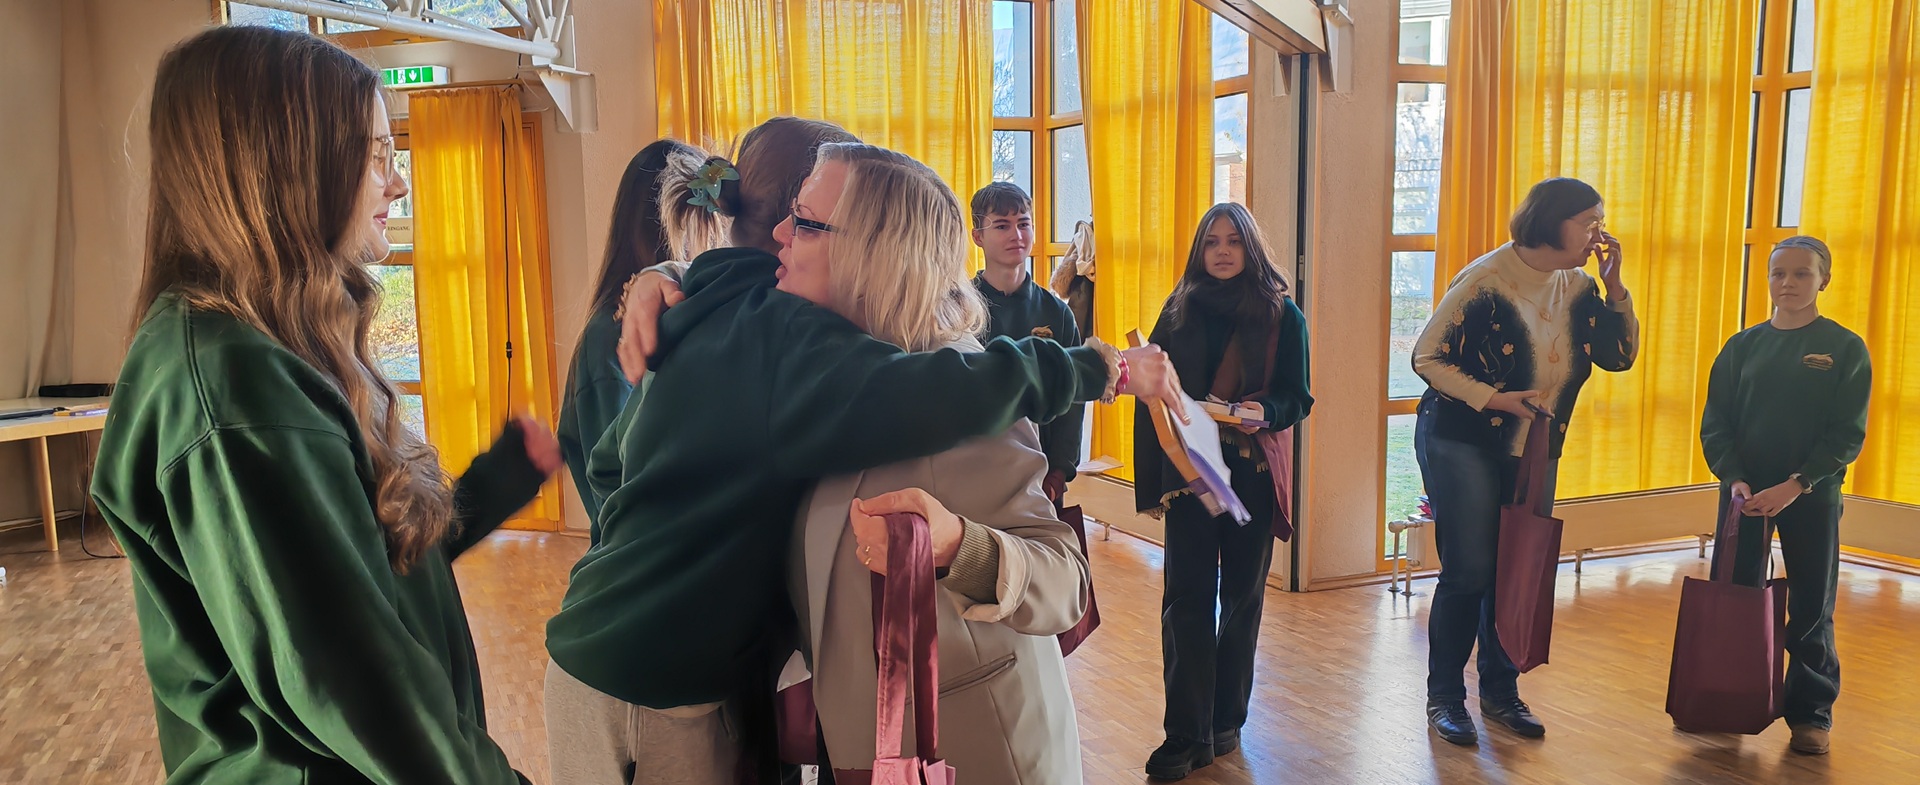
[597,739]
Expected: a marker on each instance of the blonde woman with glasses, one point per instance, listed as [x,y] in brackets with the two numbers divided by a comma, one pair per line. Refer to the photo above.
[892,258]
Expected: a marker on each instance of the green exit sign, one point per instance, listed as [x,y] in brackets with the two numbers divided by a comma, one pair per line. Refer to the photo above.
[416,76]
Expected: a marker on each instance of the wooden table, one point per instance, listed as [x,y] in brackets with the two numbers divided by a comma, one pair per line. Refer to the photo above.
[36,430]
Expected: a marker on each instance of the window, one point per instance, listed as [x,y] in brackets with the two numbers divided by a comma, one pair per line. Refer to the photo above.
[1782,105]
[1420,111]
[1231,48]
[1419,130]
[1038,141]
[394,336]
[242,14]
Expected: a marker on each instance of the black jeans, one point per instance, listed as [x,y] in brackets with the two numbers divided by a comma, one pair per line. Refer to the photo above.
[1467,485]
[1810,545]
[1208,662]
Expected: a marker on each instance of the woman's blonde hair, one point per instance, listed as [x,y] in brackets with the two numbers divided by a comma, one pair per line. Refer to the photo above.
[260,145]
[898,265]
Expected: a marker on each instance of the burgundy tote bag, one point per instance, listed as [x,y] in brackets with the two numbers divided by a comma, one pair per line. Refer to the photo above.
[907,654]
[1071,639]
[1729,647]
[1529,558]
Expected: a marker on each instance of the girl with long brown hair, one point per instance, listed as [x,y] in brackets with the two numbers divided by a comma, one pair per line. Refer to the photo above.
[1234,333]
[291,542]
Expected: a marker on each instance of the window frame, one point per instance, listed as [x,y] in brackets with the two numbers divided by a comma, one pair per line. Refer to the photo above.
[1766,172]
[1399,74]
[404,258]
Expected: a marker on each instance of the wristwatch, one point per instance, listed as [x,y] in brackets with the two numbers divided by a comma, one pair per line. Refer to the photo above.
[1805,487]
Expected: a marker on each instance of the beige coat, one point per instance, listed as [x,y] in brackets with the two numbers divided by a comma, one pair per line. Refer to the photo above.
[1006,713]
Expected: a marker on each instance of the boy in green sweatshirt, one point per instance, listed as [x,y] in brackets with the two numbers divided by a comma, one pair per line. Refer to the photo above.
[1018,308]
[1786,413]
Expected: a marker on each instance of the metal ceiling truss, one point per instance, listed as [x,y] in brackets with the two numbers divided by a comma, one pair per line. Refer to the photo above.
[546,24]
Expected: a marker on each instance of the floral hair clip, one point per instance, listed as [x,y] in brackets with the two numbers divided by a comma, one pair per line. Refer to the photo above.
[706,187]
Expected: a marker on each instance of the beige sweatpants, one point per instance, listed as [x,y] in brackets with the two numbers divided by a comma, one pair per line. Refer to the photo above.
[597,739]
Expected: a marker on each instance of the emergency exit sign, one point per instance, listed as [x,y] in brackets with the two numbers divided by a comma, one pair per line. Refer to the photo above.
[416,76]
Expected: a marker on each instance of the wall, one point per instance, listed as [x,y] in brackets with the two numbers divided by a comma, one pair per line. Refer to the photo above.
[106,52]
[1345,299]
[1273,182]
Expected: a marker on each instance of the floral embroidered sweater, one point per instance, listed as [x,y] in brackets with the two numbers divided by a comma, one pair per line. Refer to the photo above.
[1506,326]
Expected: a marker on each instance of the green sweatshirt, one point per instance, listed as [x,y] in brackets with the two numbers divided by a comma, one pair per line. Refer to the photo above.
[1781,402]
[281,646]
[596,390]
[1033,311]
[756,394]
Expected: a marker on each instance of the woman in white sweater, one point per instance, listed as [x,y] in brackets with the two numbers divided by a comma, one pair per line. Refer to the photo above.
[1519,329]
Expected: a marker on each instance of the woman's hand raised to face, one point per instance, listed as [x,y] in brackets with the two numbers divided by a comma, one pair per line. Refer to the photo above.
[1150,377]
[1608,251]
[648,296]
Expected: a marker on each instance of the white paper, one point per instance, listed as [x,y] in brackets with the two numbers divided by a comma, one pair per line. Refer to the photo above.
[1202,437]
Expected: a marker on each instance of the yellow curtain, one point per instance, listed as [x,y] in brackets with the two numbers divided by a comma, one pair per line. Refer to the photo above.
[1863,198]
[910,75]
[480,275]
[1650,101]
[1147,91]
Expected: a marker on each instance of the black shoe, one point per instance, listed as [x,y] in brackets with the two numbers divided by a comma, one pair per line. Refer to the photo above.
[1225,742]
[1451,720]
[1177,758]
[1513,713]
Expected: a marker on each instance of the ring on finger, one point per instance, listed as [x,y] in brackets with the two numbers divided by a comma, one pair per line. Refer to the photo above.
[866,555]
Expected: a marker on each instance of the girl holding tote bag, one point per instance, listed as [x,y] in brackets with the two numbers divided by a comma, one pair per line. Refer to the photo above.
[1786,413]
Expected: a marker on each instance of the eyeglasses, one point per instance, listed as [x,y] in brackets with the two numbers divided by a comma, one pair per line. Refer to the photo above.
[383,153]
[810,224]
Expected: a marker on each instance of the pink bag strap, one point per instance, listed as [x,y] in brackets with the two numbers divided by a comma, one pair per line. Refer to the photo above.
[1530,485]
[904,640]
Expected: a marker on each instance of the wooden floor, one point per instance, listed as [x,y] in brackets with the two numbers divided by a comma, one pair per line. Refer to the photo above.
[1339,699]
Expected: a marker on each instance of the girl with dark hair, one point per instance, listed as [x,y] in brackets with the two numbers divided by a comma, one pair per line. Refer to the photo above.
[1517,334]
[1786,414]
[647,230]
[291,542]
[1233,333]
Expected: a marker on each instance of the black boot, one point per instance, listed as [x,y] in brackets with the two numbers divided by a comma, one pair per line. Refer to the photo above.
[1179,757]
[1451,720]
[1513,713]
[1225,742]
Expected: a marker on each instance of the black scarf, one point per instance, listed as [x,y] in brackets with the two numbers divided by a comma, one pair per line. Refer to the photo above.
[1212,305]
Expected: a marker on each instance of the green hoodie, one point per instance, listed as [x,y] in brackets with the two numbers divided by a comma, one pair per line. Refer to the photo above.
[281,645]
[758,393]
